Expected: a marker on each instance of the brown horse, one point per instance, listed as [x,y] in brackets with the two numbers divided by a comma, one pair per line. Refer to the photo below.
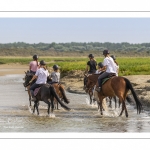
[90,91]
[115,86]
[60,90]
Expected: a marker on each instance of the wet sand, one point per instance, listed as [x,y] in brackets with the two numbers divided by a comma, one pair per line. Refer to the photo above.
[12,69]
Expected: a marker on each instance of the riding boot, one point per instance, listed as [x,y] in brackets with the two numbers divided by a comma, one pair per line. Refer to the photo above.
[32,94]
[98,88]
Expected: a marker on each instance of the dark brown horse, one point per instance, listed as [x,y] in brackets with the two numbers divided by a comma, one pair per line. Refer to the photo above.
[45,93]
[59,88]
[115,86]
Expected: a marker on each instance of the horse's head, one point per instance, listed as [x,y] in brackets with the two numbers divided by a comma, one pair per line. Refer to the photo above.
[27,78]
[87,83]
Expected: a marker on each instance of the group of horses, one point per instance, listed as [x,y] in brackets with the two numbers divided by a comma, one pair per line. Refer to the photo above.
[113,87]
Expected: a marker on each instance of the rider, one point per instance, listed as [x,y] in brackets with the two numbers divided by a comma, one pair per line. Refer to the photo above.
[41,76]
[100,70]
[55,75]
[34,65]
[91,64]
[117,65]
[109,65]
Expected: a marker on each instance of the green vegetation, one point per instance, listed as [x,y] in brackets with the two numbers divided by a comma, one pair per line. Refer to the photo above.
[74,49]
[128,65]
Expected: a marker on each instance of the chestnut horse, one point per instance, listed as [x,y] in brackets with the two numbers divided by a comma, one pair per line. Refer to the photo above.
[60,90]
[115,86]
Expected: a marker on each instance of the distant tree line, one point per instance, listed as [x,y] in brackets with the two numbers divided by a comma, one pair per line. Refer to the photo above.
[80,47]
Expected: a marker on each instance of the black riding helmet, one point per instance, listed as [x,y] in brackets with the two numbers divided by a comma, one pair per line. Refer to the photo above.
[113,57]
[100,65]
[55,67]
[42,62]
[91,55]
[35,57]
[105,52]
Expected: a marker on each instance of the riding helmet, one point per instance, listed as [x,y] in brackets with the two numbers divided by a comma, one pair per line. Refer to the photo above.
[42,62]
[91,55]
[113,57]
[55,67]
[105,52]
[35,57]
[100,65]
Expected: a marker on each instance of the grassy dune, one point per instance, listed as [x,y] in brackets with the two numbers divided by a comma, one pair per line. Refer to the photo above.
[128,66]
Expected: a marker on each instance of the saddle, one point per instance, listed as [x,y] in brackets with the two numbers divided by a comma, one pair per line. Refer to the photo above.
[107,78]
[38,89]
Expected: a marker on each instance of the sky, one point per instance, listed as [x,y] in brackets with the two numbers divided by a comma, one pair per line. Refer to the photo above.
[62,30]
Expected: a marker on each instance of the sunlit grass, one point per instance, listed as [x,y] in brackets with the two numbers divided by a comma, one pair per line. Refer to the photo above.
[128,66]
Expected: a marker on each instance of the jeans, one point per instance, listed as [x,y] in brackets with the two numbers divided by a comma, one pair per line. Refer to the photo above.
[33,87]
[101,77]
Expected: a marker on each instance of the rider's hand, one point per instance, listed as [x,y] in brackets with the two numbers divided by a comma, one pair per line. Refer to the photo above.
[30,81]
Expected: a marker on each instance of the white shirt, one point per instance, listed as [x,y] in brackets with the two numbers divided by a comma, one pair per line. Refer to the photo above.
[42,75]
[117,69]
[110,65]
[55,76]
[98,72]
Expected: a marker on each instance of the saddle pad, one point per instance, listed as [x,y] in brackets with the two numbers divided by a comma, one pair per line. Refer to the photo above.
[104,80]
[36,91]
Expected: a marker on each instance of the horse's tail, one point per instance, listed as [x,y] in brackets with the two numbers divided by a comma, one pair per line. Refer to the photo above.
[63,93]
[53,92]
[138,103]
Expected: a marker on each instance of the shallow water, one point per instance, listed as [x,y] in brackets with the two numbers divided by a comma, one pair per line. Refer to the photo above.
[16,115]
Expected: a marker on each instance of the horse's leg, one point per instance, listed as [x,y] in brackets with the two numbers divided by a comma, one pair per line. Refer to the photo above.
[110,102]
[101,107]
[48,108]
[29,95]
[37,107]
[90,96]
[52,103]
[126,112]
[48,103]
[123,107]
[115,102]
[34,108]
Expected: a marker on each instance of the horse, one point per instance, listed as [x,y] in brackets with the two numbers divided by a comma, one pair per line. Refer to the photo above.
[115,86]
[46,92]
[58,87]
[61,93]
[92,94]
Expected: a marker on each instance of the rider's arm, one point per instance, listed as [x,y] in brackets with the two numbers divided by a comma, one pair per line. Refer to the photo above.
[103,69]
[34,77]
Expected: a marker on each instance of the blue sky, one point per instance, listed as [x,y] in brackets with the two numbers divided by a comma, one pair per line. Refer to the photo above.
[47,30]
